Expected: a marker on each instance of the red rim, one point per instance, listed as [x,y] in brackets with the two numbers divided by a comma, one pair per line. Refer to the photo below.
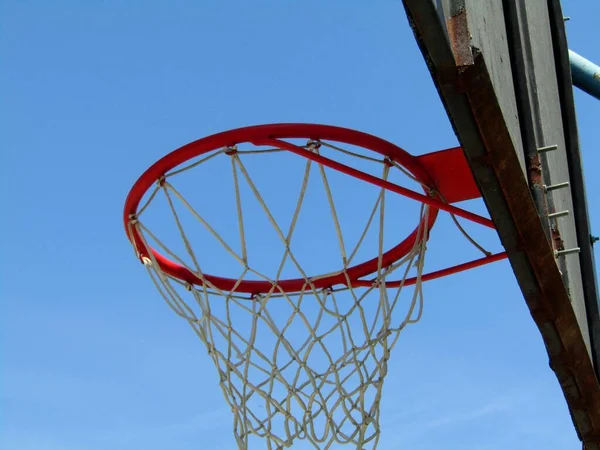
[257,135]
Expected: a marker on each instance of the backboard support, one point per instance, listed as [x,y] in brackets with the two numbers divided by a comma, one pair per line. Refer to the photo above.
[502,71]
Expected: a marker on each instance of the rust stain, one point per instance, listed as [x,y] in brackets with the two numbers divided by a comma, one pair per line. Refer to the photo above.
[556,239]
[535,171]
[460,39]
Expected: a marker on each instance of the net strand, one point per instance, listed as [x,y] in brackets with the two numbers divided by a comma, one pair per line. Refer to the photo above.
[269,215]
[334,215]
[238,204]
[437,193]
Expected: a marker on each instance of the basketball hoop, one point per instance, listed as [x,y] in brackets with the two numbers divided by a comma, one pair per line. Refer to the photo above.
[302,357]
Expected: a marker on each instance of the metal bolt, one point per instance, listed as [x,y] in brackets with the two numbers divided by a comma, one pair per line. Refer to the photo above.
[569,251]
[548,148]
[558,214]
[555,186]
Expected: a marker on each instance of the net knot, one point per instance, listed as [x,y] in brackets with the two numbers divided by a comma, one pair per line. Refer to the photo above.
[379,281]
[231,150]
[313,145]
[431,192]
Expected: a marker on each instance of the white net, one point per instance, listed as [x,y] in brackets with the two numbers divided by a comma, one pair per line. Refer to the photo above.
[304,364]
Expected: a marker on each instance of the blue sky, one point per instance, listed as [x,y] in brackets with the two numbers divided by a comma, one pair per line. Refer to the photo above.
[93,92]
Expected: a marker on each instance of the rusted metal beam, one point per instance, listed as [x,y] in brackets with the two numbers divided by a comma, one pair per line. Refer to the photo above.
[549,304]
[468,94]
[576,176]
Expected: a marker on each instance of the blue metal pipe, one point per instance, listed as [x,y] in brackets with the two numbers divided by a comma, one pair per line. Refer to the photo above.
[585,74]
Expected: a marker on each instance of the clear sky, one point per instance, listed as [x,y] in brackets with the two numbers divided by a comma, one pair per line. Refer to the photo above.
[93,92]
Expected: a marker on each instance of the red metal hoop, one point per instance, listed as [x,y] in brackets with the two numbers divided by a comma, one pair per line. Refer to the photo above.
[269,135]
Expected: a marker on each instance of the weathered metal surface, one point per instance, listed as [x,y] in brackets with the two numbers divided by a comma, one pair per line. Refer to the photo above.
[460,40]
[541,122]
[550,305]
[576,175]
[485,29]
[485,128]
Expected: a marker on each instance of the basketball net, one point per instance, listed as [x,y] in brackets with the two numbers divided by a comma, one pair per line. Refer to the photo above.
[304,364]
